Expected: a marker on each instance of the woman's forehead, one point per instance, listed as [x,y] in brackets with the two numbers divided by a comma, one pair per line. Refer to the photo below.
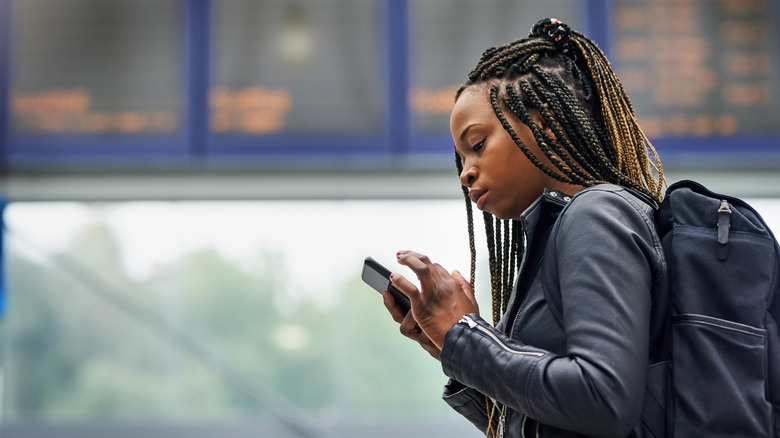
[472,103]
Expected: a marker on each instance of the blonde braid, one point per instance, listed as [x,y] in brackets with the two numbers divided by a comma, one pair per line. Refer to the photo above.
[629,141]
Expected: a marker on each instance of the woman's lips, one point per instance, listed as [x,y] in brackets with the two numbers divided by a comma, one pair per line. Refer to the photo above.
[477,197]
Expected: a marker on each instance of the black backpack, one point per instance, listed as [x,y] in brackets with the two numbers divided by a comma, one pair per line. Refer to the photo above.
[718,373]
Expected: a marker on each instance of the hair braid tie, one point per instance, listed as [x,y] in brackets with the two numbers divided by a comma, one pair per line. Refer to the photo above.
[553,29]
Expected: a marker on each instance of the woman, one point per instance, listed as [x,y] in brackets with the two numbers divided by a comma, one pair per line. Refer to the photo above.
[548,147]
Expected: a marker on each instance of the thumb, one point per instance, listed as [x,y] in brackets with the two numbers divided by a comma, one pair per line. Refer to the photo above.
[465,286]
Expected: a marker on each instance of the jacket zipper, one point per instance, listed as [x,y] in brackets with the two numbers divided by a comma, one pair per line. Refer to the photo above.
[522,427]
[467,320]
[724,217]
[513,318]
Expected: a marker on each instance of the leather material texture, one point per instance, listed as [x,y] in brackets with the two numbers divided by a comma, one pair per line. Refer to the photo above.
[582,375]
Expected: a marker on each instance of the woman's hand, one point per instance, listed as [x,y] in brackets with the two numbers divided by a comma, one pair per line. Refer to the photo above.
[444,299]
[409,327]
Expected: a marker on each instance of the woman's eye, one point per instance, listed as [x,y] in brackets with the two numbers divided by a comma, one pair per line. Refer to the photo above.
[478,146]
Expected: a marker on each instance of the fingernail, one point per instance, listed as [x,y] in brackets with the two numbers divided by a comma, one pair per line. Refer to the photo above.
[392,276]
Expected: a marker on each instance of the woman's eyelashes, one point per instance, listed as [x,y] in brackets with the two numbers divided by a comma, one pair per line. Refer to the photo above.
[479,145]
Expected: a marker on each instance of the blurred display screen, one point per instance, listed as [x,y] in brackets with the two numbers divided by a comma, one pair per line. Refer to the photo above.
[93,75]
[97,67]
[298,67]
[699,68]
[448,38]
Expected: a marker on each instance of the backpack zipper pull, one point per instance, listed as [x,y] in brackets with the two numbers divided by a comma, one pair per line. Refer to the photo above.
[724,216]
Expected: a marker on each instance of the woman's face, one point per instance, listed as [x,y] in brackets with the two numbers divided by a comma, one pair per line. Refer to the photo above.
[500,178]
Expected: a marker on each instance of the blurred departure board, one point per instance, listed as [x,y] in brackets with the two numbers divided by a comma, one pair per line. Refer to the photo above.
[700,68]
[97,67]
[304,67]
[207,82]
[449,37]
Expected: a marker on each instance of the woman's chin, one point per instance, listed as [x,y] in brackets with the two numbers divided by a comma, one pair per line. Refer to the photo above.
[501,216]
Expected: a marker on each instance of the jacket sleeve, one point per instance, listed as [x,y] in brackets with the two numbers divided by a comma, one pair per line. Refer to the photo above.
[469,403]
[606,249]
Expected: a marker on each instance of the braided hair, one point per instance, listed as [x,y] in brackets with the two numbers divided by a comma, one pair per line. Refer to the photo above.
[567,79]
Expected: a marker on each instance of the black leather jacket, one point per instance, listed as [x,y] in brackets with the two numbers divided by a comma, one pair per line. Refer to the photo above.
[586,375]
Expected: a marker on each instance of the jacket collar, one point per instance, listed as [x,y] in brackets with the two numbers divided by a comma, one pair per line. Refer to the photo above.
[550,203]
[541,215]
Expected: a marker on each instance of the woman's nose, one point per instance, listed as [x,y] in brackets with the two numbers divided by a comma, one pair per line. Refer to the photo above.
[468,176]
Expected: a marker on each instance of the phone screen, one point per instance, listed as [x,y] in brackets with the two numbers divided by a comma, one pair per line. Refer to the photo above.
[378,277]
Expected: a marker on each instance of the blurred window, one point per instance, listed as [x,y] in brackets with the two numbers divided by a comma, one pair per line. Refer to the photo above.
[219,313]
[225,315]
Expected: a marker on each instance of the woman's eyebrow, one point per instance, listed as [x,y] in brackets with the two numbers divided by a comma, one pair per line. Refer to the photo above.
[466,131]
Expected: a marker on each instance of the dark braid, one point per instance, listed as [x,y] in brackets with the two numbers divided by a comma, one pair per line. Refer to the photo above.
[516,253]
[470,222]
[566,125]
[510,248]
[581,135]
[492,263]
[499,269]
[516,139]
[503,259]
[556,152]
[510,245]
[507,268]
[559,99]
[565,77]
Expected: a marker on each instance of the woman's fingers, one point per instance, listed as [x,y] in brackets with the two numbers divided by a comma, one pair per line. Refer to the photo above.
[442,299]
[429,346]
[412,330]
[392,307]
[427,272]
[419,263]
[466,287]
[404,286]
[409,327]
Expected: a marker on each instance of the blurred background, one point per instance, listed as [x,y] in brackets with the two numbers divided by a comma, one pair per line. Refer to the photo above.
[189,188]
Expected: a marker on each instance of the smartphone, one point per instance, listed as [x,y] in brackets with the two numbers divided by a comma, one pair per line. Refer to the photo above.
[378,277]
